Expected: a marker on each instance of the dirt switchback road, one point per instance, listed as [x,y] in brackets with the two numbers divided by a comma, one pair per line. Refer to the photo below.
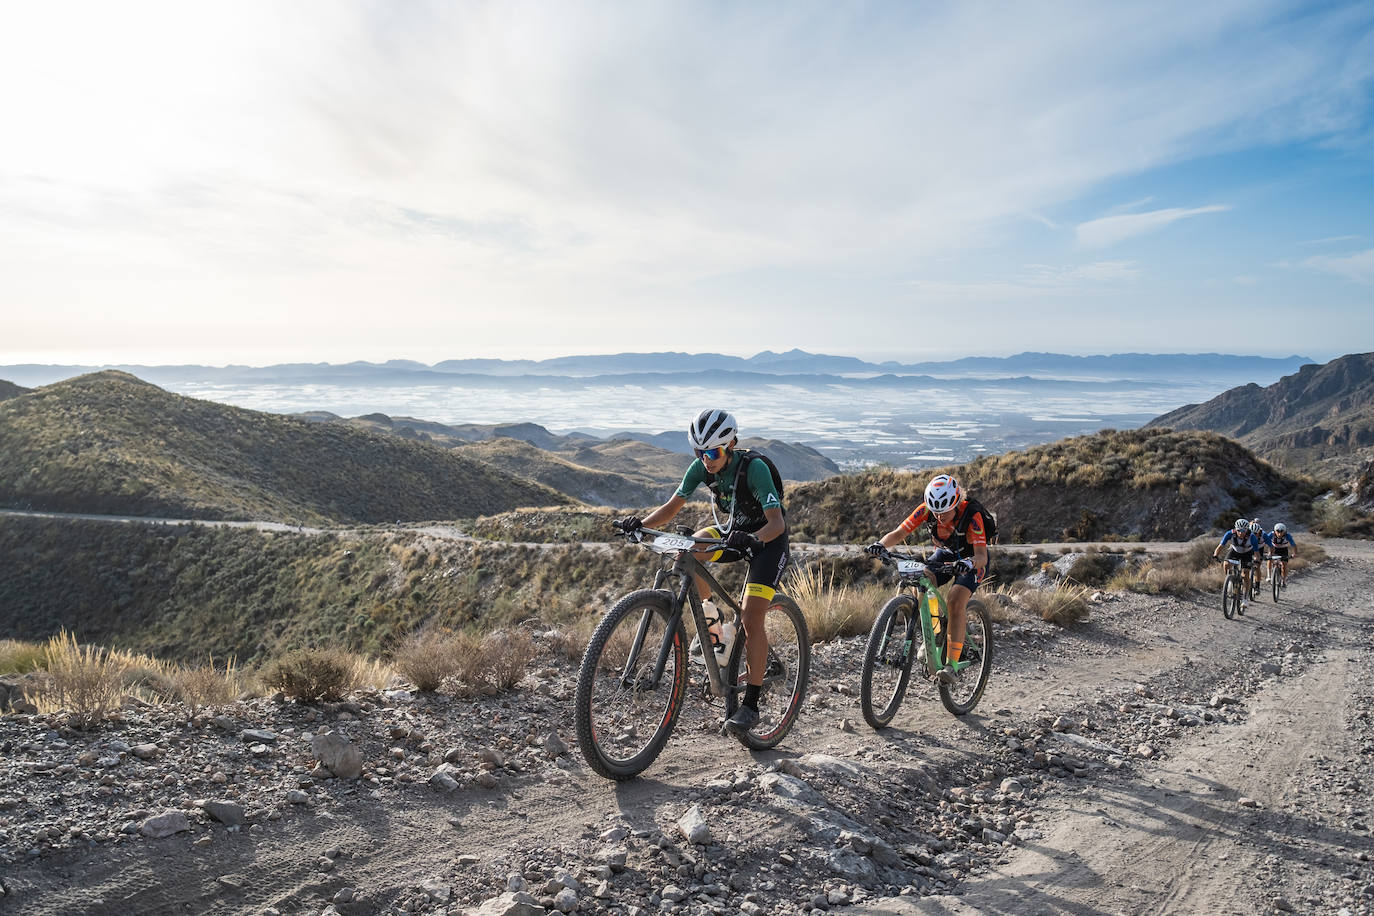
[1268,815]
[1156,759]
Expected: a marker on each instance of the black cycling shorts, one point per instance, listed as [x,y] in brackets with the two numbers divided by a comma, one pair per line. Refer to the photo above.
[1279,553]
[968,580]
[765,567]
[1245,558]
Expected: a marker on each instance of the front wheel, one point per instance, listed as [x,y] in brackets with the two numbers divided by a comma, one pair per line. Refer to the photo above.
[1230,597]
[971,680]
[888,659]
[784,679]
[1274,582]
[625,708]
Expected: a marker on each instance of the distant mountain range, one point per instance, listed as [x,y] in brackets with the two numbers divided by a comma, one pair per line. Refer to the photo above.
[795,363]
[1321,417]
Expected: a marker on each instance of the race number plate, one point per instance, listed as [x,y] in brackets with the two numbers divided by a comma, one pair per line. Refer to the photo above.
[909,567]
[673,542]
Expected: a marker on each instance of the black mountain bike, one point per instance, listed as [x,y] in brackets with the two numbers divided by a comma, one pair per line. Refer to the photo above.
[916,624]
[1233,589]
[633,679]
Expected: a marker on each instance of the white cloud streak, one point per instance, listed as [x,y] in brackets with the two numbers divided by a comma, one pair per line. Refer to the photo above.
[1112,230]
[1358,266]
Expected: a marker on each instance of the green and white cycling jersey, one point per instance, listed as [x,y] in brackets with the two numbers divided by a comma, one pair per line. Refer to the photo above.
[746,508]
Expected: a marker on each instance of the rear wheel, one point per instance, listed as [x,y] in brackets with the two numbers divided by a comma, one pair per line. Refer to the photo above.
[888,659]
[1230,596]
[784,679]
[970,681]
[623,712]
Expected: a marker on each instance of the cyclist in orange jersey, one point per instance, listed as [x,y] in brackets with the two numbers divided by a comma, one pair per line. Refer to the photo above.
[959,533]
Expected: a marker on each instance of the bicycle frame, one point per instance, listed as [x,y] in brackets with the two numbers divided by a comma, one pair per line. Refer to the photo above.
[684,568]
[915,574]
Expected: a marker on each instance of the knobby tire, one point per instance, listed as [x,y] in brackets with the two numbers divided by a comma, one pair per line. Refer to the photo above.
[963,695]
[784,680]
[888,658]
[1230,596]
[623,722]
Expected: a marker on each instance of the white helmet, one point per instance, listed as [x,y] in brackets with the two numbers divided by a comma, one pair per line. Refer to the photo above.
[943,493]
[712,428]
[1242,524]
[1280,528]
[1256,527]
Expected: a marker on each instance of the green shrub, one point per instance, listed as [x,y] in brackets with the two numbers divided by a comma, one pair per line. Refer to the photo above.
[311,675]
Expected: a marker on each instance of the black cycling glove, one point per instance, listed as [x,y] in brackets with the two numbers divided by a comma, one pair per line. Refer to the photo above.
[963,566]
[630,524]
[876,549]
[744,542]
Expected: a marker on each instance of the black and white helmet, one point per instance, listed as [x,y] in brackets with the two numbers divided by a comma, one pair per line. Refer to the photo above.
[712,428]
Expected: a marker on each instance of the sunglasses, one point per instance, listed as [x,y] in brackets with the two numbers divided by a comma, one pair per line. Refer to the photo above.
[711,454]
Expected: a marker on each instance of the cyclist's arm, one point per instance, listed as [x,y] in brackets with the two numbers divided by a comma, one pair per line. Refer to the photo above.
[978,540]
[1224,538]
[774,527]
[907,527]
[665,513]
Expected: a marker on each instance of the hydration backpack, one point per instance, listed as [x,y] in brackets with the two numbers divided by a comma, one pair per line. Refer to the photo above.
[746,505]
[971,506]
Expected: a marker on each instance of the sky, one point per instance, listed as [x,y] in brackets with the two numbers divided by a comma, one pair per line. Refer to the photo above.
[257,182]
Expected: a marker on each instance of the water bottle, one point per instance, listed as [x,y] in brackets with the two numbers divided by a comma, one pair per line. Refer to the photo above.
[713,623]
[727,639]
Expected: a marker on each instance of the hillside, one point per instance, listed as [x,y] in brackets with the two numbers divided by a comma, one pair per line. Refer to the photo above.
[1319,418]
[182,592]
[10,390]
[1145,484]
[110,443]
[621,471]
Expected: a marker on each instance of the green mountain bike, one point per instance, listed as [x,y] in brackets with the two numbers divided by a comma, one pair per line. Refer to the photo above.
[914,625]
[633,679]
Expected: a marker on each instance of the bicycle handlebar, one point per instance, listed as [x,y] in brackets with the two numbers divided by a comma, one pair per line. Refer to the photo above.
[890,557]
[638,535]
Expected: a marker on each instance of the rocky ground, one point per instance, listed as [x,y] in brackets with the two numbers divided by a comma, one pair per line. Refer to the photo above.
[1156,758]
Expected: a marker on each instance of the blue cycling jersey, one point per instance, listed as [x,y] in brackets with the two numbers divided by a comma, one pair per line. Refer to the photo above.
[1279,540]
[1249,543]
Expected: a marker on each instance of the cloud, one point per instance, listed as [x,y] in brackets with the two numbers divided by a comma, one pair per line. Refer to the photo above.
[1111,230]
[1358,266]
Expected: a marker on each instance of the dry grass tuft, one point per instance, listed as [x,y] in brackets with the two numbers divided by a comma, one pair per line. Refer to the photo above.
[18,657]
[831,612]
[1065,604]
[509,653]
[86,682]
[428,658]
[205,685]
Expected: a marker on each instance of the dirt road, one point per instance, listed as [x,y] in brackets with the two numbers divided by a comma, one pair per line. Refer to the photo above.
[1158,759]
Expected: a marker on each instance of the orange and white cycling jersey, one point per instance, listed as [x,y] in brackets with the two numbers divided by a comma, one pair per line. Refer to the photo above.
[946,535]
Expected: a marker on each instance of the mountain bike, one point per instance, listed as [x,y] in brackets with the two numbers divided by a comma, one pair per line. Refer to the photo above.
[1278,575]
[1233,589]
[915,625]
[1254,579]
[634,678]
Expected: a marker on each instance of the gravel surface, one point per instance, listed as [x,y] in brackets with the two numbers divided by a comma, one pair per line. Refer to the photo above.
[1155,758]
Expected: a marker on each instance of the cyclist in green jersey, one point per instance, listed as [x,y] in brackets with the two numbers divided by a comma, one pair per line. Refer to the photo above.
[754,527]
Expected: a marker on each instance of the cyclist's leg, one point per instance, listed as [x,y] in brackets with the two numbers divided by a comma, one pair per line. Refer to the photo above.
[708,556]
[765,572]
[958,619]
